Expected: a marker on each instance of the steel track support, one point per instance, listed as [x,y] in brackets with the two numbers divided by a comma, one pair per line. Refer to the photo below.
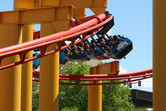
[95,94]
[49,67]
[159,54]
[95,91]
[23,4]
[27,68]
[26,78]
[79,13]
[49,71]
[10,80]
[97,6]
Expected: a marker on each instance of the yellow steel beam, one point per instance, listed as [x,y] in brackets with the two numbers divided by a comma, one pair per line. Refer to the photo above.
[37,4]
[10,87]
[37,16]
[95,94]
[49,66]
[26,78]
[97,6]
[98,11]
[108,68]
[76,3]
[79,13]
[49,70]
[23,4]
[95,91]
[159,54]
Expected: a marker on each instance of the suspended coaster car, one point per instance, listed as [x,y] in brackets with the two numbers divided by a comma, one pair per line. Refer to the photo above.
[122,49]
[115,47]
[102,46]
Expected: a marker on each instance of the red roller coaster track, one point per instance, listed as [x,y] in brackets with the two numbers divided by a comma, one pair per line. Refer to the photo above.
[90,24]
[106,78]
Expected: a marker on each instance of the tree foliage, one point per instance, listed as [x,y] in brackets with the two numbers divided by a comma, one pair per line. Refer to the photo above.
[75,98]
[35,96]
[114,98]
[75,68]
[140,110]
[117,98]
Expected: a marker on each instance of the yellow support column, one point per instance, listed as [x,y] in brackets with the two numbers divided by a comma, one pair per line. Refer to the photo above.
[79,13]
[49,76]
[95,91]
[97,6]
[49,65]
[159,54]
[26,80]
[23,4]
[95,94]
[10,87]
[49,70]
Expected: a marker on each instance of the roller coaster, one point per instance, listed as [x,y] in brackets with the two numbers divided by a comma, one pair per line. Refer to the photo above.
[104,47]
[106,78]
[79,48]
[79,40]
[107,48]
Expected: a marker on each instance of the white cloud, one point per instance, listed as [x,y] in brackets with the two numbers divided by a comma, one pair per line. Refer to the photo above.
[146,84]
[122,70]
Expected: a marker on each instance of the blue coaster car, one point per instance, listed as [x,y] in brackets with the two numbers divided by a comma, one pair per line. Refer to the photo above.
[115,47]
[122,49]
[36,62]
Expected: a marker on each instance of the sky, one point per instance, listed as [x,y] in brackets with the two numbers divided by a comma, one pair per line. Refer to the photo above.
[133,18]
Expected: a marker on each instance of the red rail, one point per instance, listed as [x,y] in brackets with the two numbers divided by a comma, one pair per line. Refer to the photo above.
[67,79]
[90,24]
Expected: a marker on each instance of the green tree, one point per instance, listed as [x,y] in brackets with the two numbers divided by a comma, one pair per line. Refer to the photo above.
[75,68]
[75,98]
[114,97]
[140,110]
[35,96]
[117,98]
[100,63]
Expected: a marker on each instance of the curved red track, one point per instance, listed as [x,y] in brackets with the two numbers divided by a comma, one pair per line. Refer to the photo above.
[106,78]
[90,24]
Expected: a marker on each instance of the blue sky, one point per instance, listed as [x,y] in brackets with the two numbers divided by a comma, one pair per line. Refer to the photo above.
[133,18]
